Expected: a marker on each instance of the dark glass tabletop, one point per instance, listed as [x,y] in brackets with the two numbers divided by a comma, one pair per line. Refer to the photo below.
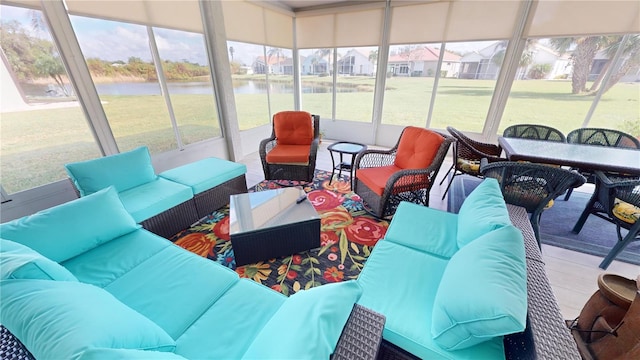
[347,147]
[581,156]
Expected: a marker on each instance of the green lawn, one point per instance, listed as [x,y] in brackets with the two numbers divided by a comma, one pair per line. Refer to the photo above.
[35,144]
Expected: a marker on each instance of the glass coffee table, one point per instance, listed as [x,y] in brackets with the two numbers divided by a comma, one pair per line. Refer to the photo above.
[272,223]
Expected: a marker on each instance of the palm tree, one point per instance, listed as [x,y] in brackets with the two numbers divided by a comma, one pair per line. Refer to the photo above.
[630,58]
[585,51]
[525,59]
[325,52]
[277,52]
[231,51]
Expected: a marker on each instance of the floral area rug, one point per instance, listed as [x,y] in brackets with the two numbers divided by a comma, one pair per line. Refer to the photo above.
[347,236]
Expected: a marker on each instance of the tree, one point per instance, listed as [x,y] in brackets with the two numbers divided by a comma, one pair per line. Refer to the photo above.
[525,59]
[48,64]
[273,52]
[325,52]
[231,51]
[630,58]
[582,57]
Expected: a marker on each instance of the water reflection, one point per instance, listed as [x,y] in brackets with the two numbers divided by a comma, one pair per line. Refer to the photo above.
[189,88]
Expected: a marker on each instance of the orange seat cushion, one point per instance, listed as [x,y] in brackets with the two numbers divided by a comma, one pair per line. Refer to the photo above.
[375,178]
[289,154]
[293,127]
[417,148]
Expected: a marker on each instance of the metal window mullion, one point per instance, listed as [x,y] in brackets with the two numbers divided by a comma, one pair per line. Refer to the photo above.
[615,63]
[66,41]
[335,82]
[216,45]
[436,81]
[162,80]
[297,81]
[266,77]
[508,70]
[381,72]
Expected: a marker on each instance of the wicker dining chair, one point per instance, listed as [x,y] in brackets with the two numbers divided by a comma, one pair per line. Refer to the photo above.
[534,131]
[532,186]
[406,172]
[600,137]
[291,150]
[617,200]
[467,154]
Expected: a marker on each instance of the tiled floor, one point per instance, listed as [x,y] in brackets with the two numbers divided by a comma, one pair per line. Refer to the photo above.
[573,275]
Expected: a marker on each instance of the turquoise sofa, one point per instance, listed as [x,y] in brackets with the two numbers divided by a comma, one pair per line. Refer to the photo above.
[83,280]
[166,203]
[450,285]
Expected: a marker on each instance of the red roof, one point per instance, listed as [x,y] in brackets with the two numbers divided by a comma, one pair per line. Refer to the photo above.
[424,54]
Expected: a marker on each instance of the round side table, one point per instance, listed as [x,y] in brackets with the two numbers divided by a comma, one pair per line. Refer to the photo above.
[344,147]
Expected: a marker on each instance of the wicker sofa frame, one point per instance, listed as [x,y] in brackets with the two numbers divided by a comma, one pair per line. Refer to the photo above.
[301,172]
[546,335]
[412,185]
[180,217]
[360,338]
[213,199]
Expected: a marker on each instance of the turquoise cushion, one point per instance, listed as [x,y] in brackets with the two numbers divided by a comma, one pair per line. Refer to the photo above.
[154,197]
[318,316]
[124,254]
[483,291]
[20,262]
[255,301]
[68,230]
[482,211]
[425,229]
[205,174]
[127,354]
[60,319]
[123,171]
[189,285]
[408,304]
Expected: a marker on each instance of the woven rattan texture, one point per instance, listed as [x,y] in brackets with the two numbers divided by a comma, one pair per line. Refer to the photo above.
[361,336]
[546,336]
[531,131]
[172,221]
[412,185]
[288,171]
[11,348]
[213,199]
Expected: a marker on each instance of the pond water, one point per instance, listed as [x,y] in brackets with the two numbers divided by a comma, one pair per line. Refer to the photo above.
[197,88]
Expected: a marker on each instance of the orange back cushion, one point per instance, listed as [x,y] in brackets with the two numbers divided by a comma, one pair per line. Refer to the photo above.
[417,148]
[293,127]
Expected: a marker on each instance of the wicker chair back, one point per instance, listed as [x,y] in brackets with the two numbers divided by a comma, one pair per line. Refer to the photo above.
[532,131]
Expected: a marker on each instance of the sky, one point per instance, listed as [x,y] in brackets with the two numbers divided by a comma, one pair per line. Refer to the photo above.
[118,41]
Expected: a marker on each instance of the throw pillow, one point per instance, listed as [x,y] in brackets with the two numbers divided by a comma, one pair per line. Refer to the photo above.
[122,171]
[482,211]
[483,291]
[317,315]
[20,262]
[70,229]
[61,319]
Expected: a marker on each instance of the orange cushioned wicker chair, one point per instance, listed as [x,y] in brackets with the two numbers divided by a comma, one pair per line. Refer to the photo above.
[404,173]
[290,152]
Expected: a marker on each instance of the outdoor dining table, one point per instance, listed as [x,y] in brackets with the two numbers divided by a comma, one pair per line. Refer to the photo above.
[585,157]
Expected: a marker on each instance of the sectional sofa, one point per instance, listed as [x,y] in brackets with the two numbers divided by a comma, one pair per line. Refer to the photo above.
[164,203]
[83,280]
[470,285]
